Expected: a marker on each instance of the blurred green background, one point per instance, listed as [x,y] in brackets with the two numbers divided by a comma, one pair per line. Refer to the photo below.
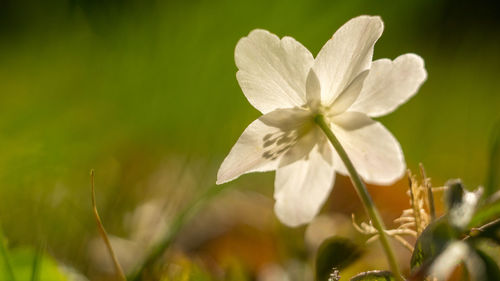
[144,90]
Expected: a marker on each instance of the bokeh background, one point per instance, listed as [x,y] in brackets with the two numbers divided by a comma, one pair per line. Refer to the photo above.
[145,93]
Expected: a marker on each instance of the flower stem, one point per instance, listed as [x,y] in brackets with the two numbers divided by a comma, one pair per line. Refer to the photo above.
[363,194]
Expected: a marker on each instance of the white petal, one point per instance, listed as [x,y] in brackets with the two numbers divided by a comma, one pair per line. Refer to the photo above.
[449,259]
[346,54]
[349,95]
[272,72]
[263,142]
[390,84]
[313,90]
[309,136]
[302,187]
[373,150]
[352,120]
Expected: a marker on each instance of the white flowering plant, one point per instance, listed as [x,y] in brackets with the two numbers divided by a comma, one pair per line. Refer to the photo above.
[317,121]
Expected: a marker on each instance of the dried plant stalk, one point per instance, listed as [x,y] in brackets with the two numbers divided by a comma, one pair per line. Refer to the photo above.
[102,232]
[412,221]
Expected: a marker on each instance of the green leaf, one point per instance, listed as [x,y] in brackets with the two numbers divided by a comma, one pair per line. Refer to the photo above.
[491,267]
[432,242]
[22,264]
[375,275]
[335,253]
[6,266]
[35,269]
[486,213]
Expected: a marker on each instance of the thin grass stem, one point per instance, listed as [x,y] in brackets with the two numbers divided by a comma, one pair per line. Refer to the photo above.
[37,261]
[102,232]
[6,259]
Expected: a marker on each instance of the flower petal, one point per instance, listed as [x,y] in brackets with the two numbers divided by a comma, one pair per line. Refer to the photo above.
[302,187]
[313,90]
[390,84]
[346,54]
[263,142]
[351,120]
[272,72]
[349,95]
[373,150]
[309,136]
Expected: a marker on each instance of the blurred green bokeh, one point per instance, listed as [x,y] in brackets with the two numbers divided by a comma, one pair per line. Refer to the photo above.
[120,86]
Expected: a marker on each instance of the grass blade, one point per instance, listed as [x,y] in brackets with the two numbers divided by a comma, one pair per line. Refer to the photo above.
[37,261]
[5,256]
[183,217]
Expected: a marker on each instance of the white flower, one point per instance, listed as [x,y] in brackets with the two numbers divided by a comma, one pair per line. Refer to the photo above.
[282,79]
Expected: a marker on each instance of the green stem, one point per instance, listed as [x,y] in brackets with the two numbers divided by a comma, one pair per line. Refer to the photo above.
[5,256]
[37,260]
[363,194]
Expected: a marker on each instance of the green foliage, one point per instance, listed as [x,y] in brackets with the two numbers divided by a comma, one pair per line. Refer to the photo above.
[432,241]
[375,275]
[22,262]
[450,238]
[335,253]
[444,243]
[491,267]
[438,234]
[7,266]
[487,212]
[35,269]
